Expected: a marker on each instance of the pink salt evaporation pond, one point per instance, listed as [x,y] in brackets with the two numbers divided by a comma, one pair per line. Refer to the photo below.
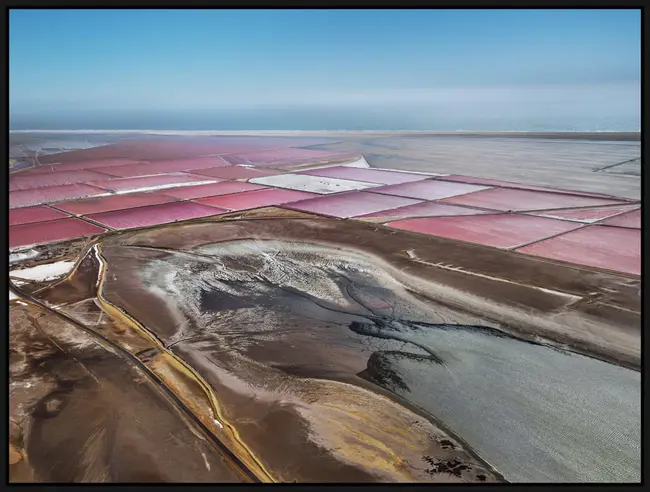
[255,199]
[510,184]
[214,189]
[29,215]
[147,148]
[25,198]
[151,182]
[153,215]
[353,204]
[236,172]
[587,215]
[610,248]
[283,156]
[81,165]
[115,202]
[367,175]
[424,209]
[161,167]
[51,231]
[28,182]
[428,189]
[519,200]
[630,219]
[500,231]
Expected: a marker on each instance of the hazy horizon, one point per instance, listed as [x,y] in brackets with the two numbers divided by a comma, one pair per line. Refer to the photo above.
[442,70]
[435,118]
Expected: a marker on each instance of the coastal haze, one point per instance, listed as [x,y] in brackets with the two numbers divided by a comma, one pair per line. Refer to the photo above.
[599,162]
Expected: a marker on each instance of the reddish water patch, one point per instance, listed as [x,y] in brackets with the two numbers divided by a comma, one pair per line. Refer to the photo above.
[351,204]
[587,214]
[25,198]
[255,199]
[519,200]
[163,148]
[116,202]
[521,186]
[76,166]
[33,170]
[425,209]
[282,156]
[500,231]
[153,215]
[630,219]
[161,167]
[236,172]
[46,232]
[428,189]
[612,248]
[34,214]
[215,189]
[42,180]
[125,184]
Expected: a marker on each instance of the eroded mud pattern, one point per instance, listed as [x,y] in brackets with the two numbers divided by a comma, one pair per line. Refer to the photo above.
[309,361]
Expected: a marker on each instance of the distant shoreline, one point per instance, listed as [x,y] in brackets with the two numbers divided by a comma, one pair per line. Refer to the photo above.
[596,135]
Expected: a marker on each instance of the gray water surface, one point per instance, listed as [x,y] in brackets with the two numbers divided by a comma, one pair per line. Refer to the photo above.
[535,413]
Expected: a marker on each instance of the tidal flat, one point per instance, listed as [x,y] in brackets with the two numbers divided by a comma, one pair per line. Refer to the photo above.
[313,350]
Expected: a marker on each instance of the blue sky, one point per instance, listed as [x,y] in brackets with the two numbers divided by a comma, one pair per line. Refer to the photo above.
[170,59]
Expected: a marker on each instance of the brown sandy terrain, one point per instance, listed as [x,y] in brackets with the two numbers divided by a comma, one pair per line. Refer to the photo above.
[80,412]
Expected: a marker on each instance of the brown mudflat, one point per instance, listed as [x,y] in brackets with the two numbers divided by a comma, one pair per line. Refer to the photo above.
[532,297]
[281,347]
[83,413]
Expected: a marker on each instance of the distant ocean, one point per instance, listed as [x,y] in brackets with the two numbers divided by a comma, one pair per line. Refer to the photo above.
[323,118]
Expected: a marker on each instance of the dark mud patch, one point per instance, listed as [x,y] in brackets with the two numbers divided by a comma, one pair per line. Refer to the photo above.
[381,372]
